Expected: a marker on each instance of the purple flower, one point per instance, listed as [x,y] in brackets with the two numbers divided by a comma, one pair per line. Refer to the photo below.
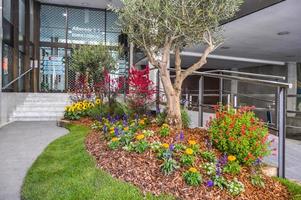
[210,183]
[136,116]
[171,147]
[125,123]
[125,117]
[116,132]
[218,169]
[223,160]
[181,136]
[105,129]
[257,162]
[109,117]
[117,117]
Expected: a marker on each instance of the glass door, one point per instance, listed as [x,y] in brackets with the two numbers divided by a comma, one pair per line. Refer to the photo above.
[52,69]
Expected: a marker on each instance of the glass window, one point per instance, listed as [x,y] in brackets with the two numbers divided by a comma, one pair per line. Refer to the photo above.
[21,85]
[112,22]
[53,23]
[21,17]
[7,65]
[31,20]
[86,26]
[7,10]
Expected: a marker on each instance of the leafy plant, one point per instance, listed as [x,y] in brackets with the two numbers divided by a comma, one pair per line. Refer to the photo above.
[164,130]
[193,177]
[239,132]
[141,146]
[169,165]
[160,118]
[179,147]
[187,159]
[232,167]
[236,187]
[220,182]
[155,146]
[185,118]
[257,180]
[209,156]
[210,168]
[141,90]
[114,143]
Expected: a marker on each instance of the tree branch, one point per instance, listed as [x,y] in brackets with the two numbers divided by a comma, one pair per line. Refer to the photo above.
[199,64]
[178,81]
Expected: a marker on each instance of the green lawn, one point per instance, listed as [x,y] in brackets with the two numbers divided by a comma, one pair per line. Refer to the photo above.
[293,188]
[66,171]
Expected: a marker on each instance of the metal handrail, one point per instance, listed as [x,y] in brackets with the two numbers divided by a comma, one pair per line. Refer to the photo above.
[249,74]
[19,77]
[242,79]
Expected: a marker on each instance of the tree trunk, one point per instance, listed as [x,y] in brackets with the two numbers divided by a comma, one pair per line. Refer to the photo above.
[174,111]
[173,107]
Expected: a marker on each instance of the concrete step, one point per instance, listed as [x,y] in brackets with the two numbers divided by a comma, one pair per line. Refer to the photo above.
[41,107]
[35,119]
[33,108]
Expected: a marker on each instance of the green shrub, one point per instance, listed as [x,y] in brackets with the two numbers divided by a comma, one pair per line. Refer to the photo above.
[160,118]
[185,118]
[209,156]
[193,177]
[232,168]
[240,133]
[168,166]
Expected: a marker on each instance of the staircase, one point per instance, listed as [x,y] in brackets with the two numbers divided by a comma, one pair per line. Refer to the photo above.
[41,107]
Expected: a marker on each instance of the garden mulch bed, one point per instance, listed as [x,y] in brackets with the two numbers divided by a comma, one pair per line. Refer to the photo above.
[143,170]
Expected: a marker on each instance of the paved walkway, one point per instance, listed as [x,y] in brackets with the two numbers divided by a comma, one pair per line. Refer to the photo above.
[20,145]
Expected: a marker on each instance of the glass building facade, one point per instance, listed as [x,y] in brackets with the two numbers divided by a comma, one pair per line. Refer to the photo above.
[38,40]
[63,27]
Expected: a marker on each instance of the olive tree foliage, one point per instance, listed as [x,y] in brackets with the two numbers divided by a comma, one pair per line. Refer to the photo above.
[160,27]
[91,62]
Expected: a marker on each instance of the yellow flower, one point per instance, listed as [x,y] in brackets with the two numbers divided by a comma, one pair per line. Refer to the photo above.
[85,107]
[140,137]
[115,139]
[97,101]
[67,108]
[126,128]
[231,158]
[189,151]
[193,169]
[141,122]
[85,101]
[165,145]
[112,128]
[90,105]
[165,125]
[192,142]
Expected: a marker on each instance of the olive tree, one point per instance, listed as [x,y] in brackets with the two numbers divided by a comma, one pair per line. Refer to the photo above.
[161,27]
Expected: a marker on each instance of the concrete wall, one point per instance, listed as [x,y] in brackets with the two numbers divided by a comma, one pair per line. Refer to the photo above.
[8,102]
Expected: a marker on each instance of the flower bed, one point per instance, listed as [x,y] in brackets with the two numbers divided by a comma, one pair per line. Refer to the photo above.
[143,170]
[223,162]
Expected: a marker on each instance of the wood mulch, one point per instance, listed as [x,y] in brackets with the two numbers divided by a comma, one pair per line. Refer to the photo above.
[143,170]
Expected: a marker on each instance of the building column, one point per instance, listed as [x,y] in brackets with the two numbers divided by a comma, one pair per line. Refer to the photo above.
[234,88]
[293,79]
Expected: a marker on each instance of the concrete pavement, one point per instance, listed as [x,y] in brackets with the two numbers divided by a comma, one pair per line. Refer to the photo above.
[20,144]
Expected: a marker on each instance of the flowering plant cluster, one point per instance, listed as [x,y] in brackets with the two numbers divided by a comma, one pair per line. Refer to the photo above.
[80,109]
[141,89]
[239,132]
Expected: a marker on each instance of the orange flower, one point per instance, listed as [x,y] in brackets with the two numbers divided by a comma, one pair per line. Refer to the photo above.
[140,137]
[231,158]
[192,142]
[115,139]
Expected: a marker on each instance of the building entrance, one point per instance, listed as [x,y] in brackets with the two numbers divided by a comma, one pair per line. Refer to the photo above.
[52,69]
